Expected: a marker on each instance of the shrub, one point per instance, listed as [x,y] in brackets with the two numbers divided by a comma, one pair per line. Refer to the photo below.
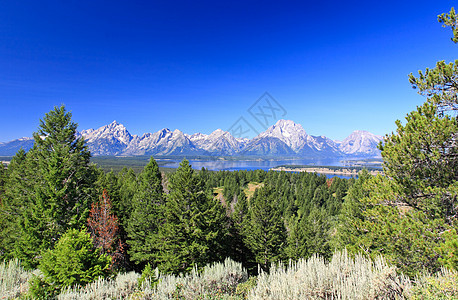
[13,279]
[73,261]
[148,274]
[217,281]
[244,288]
[342,278]
[123,286]
[443,285]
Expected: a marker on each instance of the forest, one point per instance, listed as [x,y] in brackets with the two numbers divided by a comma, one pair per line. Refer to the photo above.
[70,230]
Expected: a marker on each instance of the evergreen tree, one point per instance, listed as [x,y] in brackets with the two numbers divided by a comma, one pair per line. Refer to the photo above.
[309,234]
[127,187]
[422,160]
[239,227]
[13,202]
[440,84]
[194,232]
[146,216]
[266,235]
[59,184]
[404,214]
[74,260]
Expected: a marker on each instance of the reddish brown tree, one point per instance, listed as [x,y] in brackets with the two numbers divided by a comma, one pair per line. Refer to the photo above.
[103,227]
[330,181]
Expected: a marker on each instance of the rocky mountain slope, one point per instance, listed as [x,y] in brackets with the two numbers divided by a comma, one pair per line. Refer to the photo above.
[285,138]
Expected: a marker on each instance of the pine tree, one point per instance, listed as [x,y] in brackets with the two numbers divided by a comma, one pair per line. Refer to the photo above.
[127,186]
[404,214]
[309,234]
[239,226]
[59,185]
[194,232]
[267,234]
[14,200]
[73,261]
[351,212]
[422,160]
[146,216]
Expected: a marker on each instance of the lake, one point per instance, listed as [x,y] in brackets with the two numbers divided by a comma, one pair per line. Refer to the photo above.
[234,165]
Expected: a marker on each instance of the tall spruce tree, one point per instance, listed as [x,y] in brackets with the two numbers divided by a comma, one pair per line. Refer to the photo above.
[309,234]
[146,216]
[266,234]
[59,185]
[13,202]
[239,226]
[195,231]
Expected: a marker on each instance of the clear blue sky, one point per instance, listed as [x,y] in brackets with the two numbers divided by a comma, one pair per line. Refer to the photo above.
[334,66]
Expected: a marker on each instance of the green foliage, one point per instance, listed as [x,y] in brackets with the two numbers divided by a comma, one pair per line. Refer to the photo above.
[407,237]
[73,261]
[450,20]
[443,285]
[40,289]
[148,274]
[265,232]
[309,234]
[351,213]
[13,202]
[146,216]
[439,85]
[244,288]
[194,231]
[422,161]
[448,250]
[58,184]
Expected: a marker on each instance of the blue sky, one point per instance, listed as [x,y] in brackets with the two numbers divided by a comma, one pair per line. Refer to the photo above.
[334,66]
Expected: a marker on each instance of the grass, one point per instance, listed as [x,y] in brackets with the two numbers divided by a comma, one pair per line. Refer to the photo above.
[251,187]
[249,191]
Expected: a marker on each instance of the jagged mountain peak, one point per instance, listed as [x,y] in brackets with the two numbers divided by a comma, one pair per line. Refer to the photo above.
[219,132]
[284,138]
[363,134]
[361,142]
[289,132]
[286,123]
[115,125]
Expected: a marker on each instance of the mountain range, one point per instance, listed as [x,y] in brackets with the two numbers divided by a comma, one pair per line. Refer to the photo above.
[285,139]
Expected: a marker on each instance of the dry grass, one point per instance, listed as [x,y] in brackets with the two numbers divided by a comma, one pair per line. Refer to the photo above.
[252,186]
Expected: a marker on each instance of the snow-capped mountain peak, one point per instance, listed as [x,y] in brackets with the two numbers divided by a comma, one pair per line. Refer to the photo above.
[361,142]
[284,138]
[292,134]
